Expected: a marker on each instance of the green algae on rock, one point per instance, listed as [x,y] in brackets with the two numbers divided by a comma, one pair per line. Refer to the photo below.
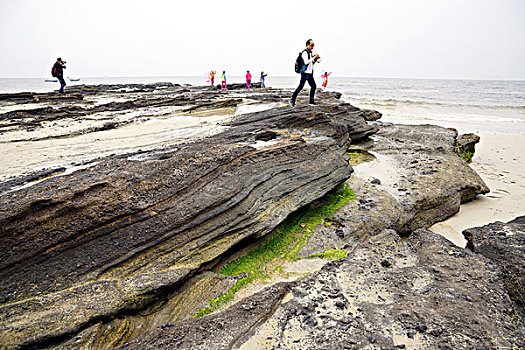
[287,240]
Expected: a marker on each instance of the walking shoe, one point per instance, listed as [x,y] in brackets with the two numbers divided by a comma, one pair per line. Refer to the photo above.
[313,104]
[291,103]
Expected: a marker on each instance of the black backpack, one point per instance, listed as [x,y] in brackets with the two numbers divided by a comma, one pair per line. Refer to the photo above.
[299,63]
[54,70]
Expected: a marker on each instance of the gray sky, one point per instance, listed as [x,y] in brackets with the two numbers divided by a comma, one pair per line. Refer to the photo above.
[465,39]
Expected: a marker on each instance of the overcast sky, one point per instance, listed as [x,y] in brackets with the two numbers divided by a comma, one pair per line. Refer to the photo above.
[465,39]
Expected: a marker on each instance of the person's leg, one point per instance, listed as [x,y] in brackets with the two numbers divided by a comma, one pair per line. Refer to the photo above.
[62,84]
[304,77]
[311,82]
[248,83]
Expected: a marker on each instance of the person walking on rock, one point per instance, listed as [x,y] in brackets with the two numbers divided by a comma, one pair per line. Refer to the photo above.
[248,79]
[58,72]
[307,73]
[224,86]
[263,76]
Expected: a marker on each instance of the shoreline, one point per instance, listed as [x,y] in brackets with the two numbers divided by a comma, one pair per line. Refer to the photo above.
[498,159]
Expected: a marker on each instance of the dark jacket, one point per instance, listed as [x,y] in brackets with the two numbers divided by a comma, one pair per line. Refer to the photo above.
[60,69]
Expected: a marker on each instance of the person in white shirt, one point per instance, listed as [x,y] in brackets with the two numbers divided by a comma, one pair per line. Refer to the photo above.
[307,73]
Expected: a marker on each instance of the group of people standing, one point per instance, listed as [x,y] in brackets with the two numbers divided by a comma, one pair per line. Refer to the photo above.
[224,85]
[249,79]
[307,59]
[212,74]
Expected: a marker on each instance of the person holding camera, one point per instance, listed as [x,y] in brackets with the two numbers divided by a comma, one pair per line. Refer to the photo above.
[263,76]
[58,72]
[307,73]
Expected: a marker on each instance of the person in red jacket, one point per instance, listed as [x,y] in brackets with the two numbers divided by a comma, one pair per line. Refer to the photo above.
[248,79]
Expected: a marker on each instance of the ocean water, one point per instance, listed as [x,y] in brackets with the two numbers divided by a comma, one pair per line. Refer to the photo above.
[469,105]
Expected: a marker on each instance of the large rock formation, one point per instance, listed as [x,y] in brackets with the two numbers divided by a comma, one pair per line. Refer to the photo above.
[112,237]
[110,242]
[415,180]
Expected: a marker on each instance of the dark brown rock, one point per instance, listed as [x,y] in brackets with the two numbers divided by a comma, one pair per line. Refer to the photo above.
[371,115]
[504,245]
[466,143]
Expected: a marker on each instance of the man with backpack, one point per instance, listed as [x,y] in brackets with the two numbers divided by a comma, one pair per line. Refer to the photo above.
[305,65]
[58,72]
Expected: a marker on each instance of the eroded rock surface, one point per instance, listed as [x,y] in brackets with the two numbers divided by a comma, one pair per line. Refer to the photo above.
[466,143]
[416,180]
[424,293]
[504,244]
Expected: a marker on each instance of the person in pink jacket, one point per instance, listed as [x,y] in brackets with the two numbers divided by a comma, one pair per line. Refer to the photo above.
[248,79]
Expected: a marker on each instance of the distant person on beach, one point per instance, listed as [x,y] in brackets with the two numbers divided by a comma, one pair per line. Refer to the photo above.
[212,76]
[307,72]
[224,86]
[248,79]
[58,72]
[263,76]
[325,78]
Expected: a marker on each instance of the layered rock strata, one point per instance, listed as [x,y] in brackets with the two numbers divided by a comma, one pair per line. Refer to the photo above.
[113,237]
